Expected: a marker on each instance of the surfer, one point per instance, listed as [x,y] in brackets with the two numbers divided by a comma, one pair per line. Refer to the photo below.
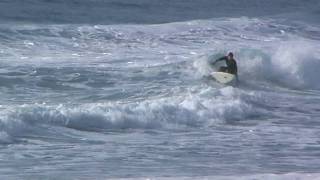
[231,64]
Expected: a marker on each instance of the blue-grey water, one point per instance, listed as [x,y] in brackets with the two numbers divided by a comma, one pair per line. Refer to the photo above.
[108,89]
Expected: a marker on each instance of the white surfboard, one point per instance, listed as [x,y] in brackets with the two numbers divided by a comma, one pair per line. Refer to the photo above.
[224,78]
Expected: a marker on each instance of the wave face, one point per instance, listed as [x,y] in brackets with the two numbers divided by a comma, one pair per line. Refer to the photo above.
[116,89]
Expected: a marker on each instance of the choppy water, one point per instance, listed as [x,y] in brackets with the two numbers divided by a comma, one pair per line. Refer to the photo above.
[106,89]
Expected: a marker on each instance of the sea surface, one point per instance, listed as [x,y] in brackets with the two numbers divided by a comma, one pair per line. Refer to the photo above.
[120,89]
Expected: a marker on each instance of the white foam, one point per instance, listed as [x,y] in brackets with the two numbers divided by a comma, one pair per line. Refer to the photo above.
[297,62]
[204,108]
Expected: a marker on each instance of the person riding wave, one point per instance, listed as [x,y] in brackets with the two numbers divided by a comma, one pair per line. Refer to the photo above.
[230,62]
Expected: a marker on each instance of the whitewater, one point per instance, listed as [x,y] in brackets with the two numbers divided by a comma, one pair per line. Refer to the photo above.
[103,89]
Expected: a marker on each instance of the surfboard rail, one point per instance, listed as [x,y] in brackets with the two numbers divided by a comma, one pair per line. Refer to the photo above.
[223,78]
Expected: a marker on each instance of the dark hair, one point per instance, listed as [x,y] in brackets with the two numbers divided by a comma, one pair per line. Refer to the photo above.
[230,54]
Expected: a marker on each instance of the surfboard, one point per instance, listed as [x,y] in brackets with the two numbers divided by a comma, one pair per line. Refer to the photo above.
[224,78]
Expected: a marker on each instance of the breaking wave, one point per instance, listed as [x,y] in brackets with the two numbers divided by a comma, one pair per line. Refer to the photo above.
[203,109]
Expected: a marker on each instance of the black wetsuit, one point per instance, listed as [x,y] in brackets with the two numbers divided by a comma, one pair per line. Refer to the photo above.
[231,65]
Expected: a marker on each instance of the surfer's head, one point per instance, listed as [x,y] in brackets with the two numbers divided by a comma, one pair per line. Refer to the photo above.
[230,55]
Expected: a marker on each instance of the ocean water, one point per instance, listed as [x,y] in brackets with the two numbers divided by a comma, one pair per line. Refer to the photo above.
[115,89]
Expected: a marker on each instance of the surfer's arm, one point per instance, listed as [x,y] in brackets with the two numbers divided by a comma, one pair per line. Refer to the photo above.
[220,59]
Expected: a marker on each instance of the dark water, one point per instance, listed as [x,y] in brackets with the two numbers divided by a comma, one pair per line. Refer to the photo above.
[144,11]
